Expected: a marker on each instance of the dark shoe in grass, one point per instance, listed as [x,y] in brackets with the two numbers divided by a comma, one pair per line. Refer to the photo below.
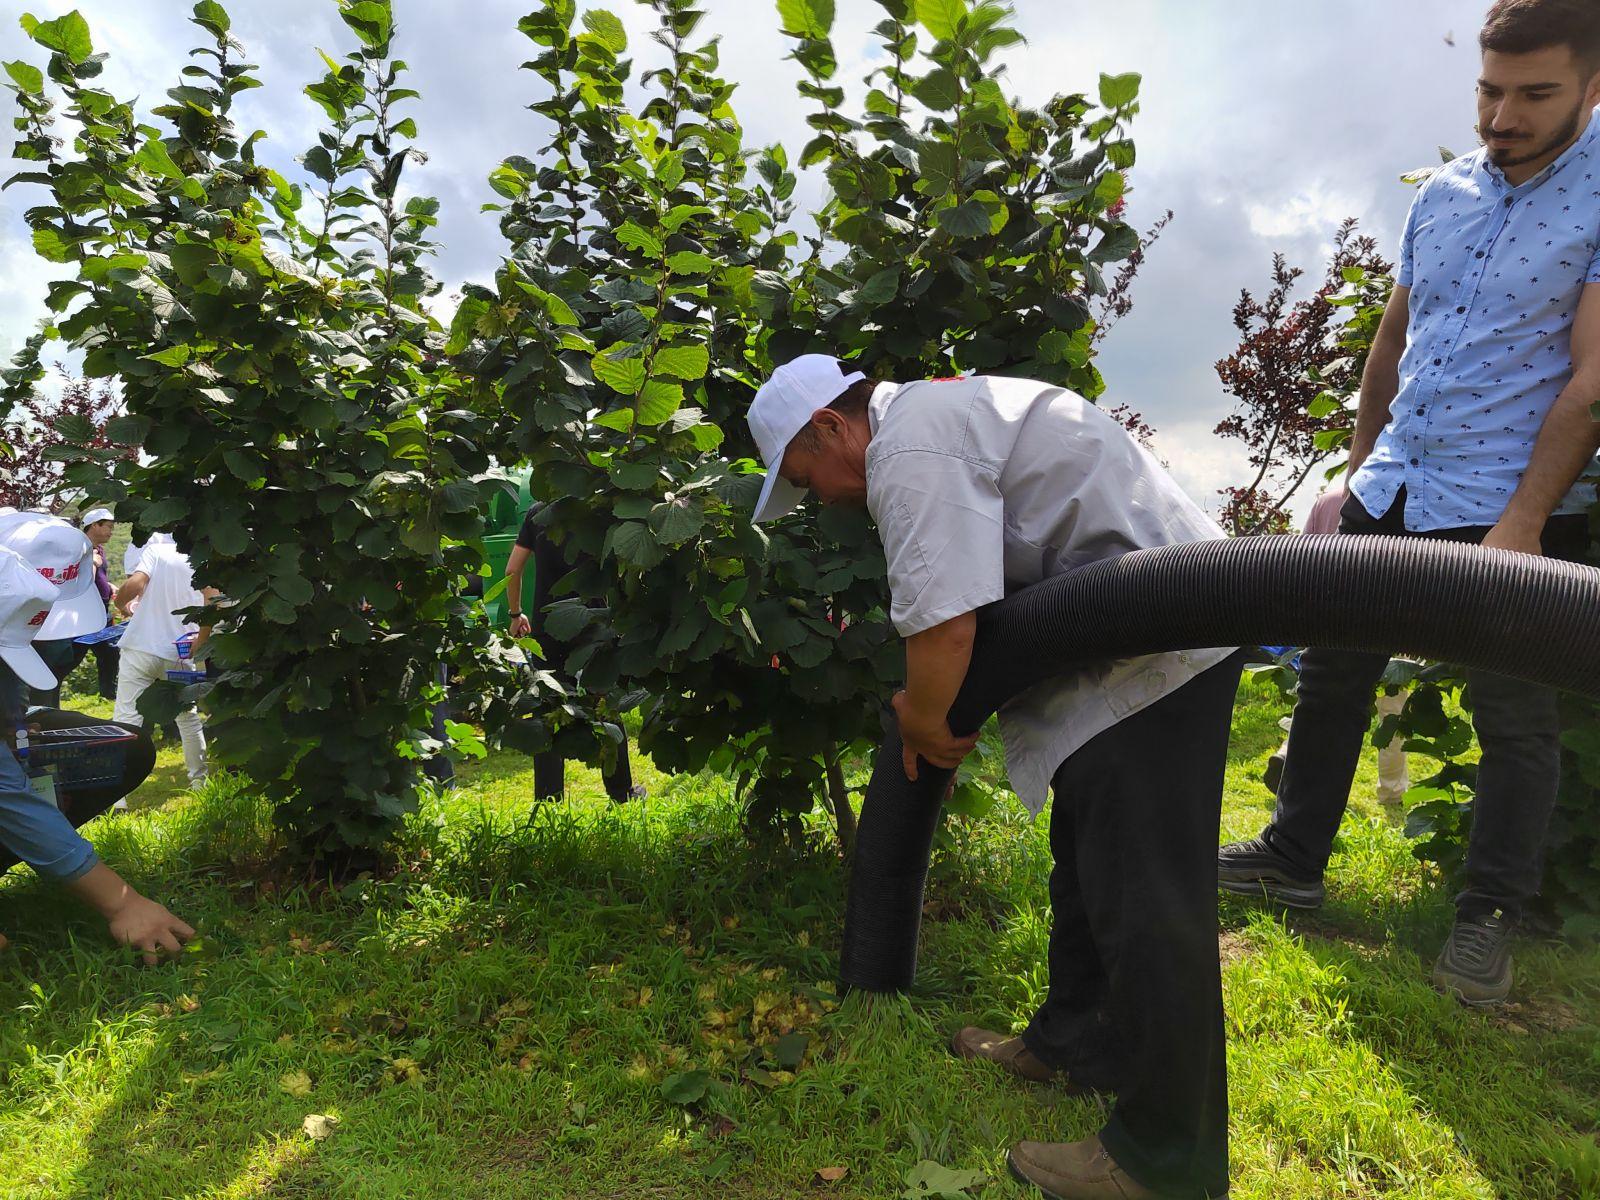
[1475,964]
[1254,868]
[1011,1054]
[1076,1171]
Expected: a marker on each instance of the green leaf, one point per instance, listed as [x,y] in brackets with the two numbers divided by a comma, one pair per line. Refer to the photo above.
[370,20]
[658,401]
[623,376]
[1118,243]
[213,17]
[26,76]
[68,34]
[934,1182]
[938,165]
[691,262]
[883,287]
[686,1087]
[631,235]
[51,245]
[790,1050]
[508,181]
[172,356]
[811,19]
[620,419]
[154,158]
[939,17]
[465,323]
[1119,91]
[681,362]
[970,218]
[939,90]
[608,28]
[676,521]
[681,213]
[633,543]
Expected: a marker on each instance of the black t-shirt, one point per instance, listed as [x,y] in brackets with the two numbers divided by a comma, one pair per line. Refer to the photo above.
[528,537]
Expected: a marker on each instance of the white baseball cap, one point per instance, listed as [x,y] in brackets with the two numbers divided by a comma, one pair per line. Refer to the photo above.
[53,548]
[93,516]
[25,600]
[781,409]
[84,613]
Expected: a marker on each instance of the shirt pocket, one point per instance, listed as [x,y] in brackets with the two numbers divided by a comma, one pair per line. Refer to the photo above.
[1131,685]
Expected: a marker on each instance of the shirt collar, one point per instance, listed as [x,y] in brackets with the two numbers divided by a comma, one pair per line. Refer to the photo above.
[882,396]
[1583,147]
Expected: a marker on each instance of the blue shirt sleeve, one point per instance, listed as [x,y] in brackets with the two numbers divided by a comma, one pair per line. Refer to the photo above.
[1408,235]
[1593,275]
[36,831]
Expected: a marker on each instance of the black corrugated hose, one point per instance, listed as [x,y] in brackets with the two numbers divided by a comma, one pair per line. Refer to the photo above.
[1514,614]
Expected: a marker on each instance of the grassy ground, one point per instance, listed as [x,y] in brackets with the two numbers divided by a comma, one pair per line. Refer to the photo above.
[624,1002]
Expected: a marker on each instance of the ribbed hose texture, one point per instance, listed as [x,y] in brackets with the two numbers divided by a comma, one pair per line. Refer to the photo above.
[1495,610]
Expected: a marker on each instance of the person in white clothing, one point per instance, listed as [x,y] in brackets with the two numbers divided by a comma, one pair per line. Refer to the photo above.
[980,487]
[163,585]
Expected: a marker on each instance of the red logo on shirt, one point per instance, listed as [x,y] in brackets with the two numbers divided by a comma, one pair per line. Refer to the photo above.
[948,379]
[38,617]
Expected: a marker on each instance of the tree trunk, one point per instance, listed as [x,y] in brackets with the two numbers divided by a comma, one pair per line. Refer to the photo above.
[839,797]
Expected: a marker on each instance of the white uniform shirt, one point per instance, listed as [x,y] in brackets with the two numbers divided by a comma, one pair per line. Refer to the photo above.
[985,485]
[156,625]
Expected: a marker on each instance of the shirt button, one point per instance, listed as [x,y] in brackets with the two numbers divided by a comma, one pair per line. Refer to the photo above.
[1461,308]
[1438,362]
[1479,254]
[1419,412]
[1416,462]
[1510,200]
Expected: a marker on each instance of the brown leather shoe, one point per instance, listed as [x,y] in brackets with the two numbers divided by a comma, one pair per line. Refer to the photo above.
[1010,1053]
[1075,1171]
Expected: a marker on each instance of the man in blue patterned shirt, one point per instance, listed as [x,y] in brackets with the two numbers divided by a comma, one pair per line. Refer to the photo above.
[1474,425]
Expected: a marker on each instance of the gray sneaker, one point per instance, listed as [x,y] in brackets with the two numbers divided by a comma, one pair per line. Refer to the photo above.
[1256,868]
[1475,964]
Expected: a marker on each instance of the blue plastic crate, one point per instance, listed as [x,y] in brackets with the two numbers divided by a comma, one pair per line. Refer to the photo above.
[88,757]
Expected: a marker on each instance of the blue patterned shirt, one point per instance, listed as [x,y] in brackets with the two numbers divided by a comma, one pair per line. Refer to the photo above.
[1495,274]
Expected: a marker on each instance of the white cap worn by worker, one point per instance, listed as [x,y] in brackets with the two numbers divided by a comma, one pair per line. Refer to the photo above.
[94,516]
[25,600]
[62,556]
[781,409]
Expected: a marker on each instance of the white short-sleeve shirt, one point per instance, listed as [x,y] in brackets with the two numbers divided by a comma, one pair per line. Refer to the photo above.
[985,485]
[155,624]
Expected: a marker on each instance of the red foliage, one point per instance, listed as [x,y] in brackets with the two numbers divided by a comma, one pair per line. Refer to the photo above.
[1271,376]
[33,479]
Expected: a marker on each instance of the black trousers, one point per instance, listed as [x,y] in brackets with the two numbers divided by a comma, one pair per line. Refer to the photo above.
[550,768]
[62,656]
[1518,726]
[1135,998]
[84,804]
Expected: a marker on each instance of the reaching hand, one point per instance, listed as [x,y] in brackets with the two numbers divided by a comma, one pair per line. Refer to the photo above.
[150,928]
[931,740]
[521,627]
[1506,536]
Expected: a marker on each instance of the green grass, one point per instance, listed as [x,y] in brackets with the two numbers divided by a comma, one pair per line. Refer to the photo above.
[499,1018]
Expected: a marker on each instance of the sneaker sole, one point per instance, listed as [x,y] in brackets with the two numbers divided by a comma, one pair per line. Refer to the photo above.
[1471,995]
[1289,895]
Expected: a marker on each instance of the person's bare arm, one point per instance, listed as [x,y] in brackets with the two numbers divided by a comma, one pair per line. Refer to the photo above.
[515,565]
[132,588]
[1567,440]
[936,662]
[204,635]
[1380,381]
[134,920]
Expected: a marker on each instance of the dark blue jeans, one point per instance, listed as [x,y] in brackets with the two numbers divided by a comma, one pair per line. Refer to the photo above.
[1518,726]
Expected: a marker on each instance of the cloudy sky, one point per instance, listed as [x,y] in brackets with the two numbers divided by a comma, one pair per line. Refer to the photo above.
[1263,124]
